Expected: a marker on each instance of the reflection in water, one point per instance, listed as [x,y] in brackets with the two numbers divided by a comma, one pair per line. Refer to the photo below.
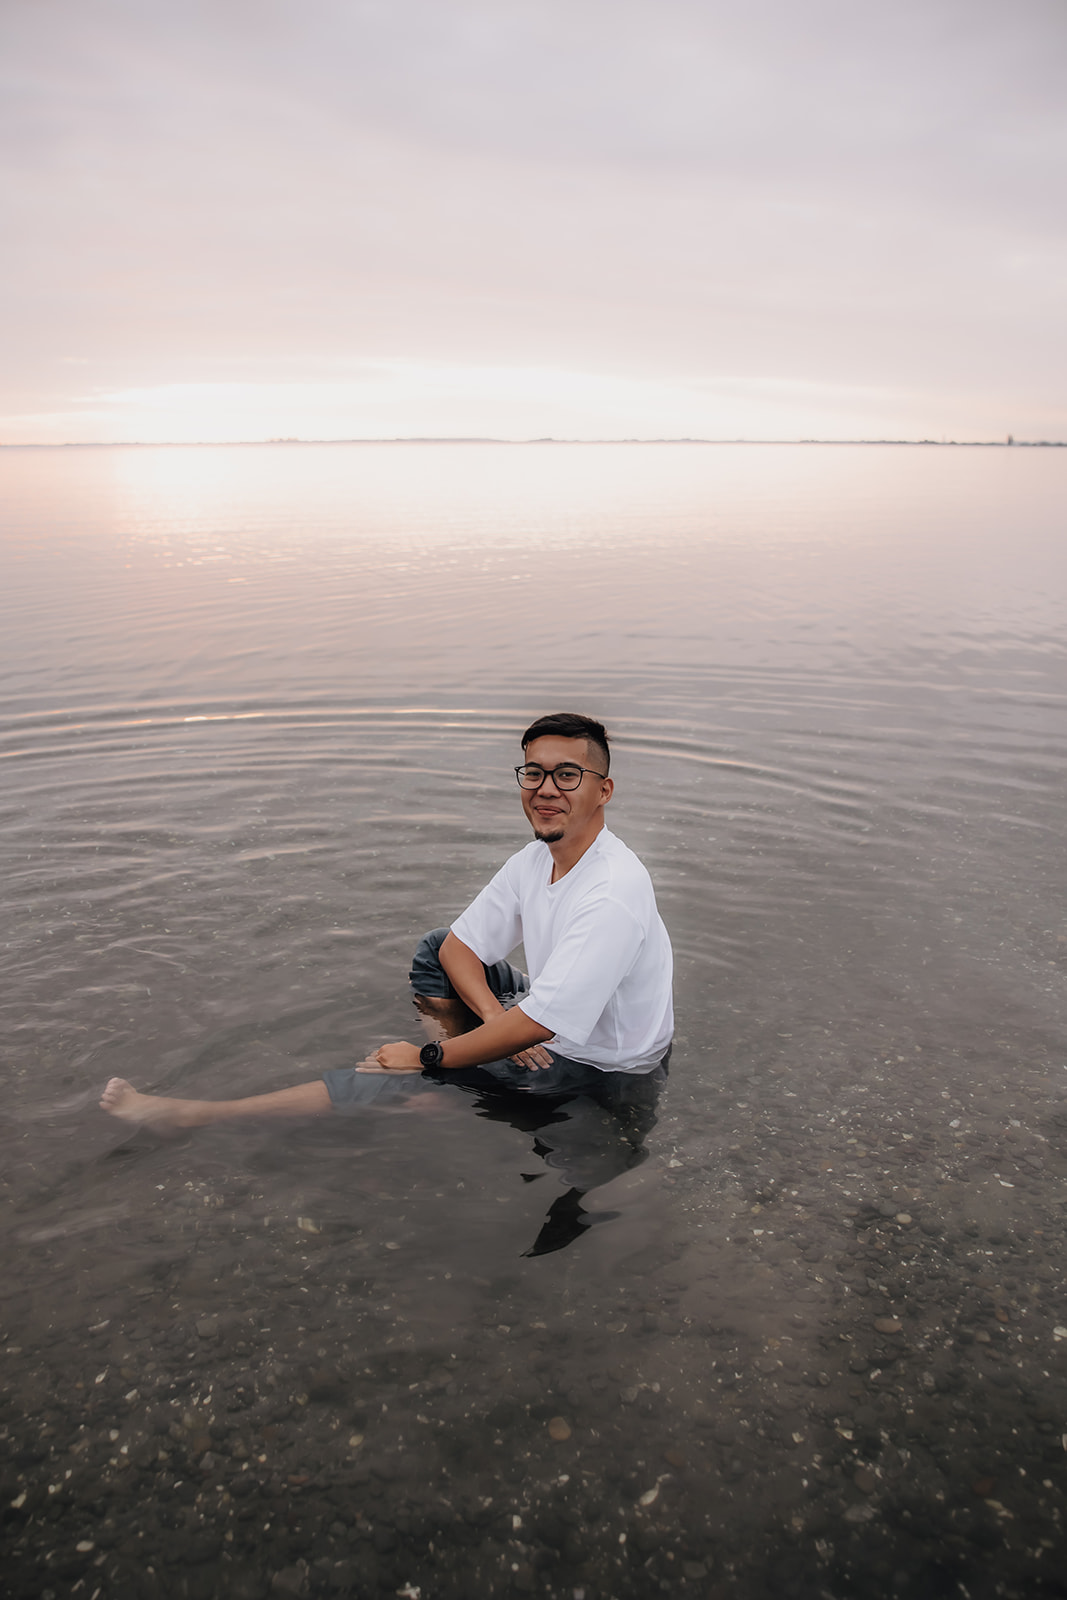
[589,1139]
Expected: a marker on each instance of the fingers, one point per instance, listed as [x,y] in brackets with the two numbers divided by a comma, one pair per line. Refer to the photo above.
[535,1058]
[396,1057]
[375,1063]
[371,1064]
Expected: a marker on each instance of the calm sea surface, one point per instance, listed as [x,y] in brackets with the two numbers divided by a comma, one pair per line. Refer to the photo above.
[258,712]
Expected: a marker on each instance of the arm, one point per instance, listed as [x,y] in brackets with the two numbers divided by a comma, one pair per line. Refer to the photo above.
[509,1033]
[467,976]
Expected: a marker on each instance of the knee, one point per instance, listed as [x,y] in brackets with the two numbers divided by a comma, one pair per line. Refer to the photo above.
[427,975]
[430,943]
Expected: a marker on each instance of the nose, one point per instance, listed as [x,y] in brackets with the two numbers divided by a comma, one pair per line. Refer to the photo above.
[549,777]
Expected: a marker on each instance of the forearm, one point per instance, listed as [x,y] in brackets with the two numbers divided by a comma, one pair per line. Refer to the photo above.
[467,976]
[503,1035]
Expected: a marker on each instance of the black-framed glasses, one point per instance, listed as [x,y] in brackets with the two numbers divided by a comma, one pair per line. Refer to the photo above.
[566,776]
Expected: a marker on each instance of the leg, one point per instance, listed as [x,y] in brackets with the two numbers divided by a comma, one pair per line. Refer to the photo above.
[169,1116]
[442,1012]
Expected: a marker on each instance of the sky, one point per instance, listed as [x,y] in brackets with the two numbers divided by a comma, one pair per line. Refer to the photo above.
[579,219]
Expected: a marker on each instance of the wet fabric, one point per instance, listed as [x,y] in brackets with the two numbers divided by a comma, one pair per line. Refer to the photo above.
[351,1090]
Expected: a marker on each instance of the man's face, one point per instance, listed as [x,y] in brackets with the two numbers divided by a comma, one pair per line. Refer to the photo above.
[555,814]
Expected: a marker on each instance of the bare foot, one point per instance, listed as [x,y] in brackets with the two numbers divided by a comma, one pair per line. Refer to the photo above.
[120,1099]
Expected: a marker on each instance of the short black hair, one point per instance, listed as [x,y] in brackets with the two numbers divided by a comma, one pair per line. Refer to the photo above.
[571,725]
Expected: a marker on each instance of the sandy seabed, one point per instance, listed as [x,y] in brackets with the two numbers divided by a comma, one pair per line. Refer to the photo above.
[839,1369]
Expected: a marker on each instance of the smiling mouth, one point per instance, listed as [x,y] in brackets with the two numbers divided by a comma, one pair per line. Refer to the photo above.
[548,823]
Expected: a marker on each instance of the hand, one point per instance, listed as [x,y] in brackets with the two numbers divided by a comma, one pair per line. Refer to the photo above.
[534,1058]
[398,1057]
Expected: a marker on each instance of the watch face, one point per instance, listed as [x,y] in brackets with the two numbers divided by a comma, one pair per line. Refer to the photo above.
[430,1055]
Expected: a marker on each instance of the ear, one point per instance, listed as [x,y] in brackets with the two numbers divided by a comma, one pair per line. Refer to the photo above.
[607,789]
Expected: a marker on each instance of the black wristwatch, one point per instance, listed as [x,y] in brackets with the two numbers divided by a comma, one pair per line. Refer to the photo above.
[432,1055]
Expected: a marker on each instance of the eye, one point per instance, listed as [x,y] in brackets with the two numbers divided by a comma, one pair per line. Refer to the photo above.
[568,774]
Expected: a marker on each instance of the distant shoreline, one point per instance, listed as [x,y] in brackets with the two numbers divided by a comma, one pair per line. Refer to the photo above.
[230,444]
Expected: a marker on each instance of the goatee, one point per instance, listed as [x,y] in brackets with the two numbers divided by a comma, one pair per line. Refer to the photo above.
[549,838]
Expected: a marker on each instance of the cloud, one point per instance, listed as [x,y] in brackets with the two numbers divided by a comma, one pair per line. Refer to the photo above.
[850,198]
[423,400]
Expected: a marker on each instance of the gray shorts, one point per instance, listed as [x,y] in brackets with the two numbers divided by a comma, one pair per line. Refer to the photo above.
[352,1091]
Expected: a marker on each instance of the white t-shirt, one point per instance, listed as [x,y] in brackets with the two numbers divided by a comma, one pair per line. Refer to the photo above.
[599,957]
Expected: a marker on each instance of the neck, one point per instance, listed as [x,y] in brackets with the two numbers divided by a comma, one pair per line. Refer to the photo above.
[566,853]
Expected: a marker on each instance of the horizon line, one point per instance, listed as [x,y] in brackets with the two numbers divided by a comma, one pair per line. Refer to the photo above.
[223,444]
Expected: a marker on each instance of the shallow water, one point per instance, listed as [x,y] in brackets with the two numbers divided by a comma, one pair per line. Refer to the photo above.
[258,716]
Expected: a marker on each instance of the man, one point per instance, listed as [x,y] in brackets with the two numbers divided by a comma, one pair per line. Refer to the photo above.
[595,1018]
